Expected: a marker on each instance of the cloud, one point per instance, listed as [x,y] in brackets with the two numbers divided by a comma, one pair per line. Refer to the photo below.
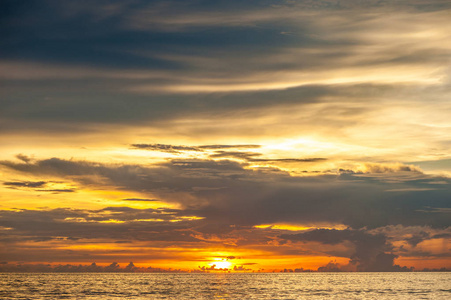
[241,268]
[214,147]
[412,240]
[246,96]
[370,249]
[175,16]
[234,154]
[23,158]
[92,268]
[288,159]
[390,168]
[218,153]
[59,191]
[26,184]
[215,189]
[39,186]
[322,62]
[75,226]
[416,239]
[140,199]
[179,148]
[164,148]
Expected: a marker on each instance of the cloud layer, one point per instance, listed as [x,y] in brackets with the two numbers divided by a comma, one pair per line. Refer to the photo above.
[275,130]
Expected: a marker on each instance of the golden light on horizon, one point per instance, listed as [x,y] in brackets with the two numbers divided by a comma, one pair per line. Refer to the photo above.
[220,264]
[298,227]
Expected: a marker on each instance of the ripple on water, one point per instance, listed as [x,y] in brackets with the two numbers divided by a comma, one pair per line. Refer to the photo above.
[227,286]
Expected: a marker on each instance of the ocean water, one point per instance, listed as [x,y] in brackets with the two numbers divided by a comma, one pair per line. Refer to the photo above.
[226,286]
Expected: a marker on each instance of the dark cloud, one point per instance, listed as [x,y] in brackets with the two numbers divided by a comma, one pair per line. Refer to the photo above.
[66,62]
[161,227]
[139,199]
[235,154]
[23,158]
[164,148]
[92,268]
[288,159]
[418,238]
[151,110]
[59,191]
[442,236]
[370,249]
[213,268]
[26,184]
[330,236]
[215,189]
[249,156]
[202,148]
[240,268]
[214,147]
[37,186]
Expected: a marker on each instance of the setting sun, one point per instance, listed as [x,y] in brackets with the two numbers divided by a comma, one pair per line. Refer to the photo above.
[221,264]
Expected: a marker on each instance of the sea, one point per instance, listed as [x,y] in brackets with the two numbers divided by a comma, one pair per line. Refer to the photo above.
[415,285]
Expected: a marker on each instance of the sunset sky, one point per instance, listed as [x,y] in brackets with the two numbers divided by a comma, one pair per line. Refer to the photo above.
[255,135]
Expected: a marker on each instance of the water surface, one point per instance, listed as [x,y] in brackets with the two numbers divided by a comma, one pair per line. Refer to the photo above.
[226,286]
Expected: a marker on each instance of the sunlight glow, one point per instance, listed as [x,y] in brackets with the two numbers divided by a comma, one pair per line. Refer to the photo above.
[221,264]
[293,227]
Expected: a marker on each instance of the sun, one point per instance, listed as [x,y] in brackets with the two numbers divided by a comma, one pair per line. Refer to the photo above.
[221,264]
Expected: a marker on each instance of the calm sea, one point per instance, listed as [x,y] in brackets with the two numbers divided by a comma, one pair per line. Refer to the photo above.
[227,286]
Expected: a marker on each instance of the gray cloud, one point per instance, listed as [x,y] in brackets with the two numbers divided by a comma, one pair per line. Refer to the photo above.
[92,268]
[179,148]
[370,249]
[214,147]
[288,159]
[245,155]
[39,186]
[139,199]
[414,236]
[250,157]
[23,158]
[65,63]
[59,191]
[164,148]
[56,191]
[215,189]
[235,154]
[26,184]
[110,223]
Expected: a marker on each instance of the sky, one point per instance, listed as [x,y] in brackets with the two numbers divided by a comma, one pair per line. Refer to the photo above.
[241,135]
